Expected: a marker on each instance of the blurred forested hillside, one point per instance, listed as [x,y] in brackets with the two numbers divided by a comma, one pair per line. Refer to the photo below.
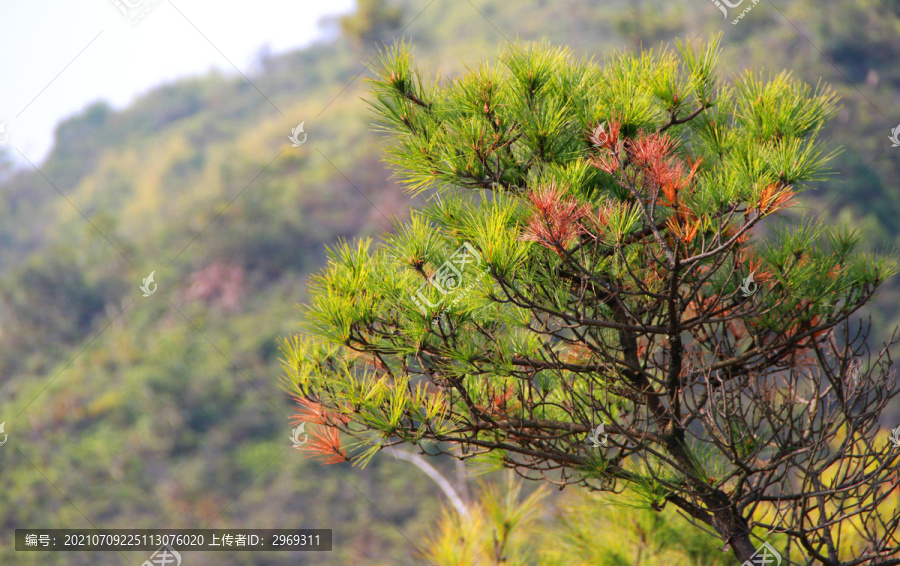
[164,411]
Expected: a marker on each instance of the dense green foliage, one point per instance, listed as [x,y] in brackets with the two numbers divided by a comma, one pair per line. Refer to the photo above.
[150,425]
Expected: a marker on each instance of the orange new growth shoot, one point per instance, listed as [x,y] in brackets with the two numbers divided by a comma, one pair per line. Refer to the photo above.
[316,413]
[775,197]
[325,444]
[556,220]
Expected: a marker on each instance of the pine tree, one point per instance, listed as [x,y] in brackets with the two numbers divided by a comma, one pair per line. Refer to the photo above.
[603,247]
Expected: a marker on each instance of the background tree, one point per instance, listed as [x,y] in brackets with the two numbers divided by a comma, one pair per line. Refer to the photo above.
[578,529]
[590,261]
[373,21]
[501,526]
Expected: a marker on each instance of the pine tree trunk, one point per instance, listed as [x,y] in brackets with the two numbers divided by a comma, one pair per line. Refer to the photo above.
[735,530]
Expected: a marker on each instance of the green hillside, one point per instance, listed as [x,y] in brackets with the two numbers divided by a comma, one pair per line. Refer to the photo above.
[165,411]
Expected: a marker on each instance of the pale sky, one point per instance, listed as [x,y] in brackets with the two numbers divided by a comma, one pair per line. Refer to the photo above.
[58,56]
